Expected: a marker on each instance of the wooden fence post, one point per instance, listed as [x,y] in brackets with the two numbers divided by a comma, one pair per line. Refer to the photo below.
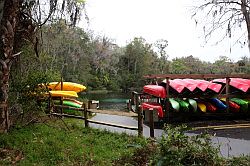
[140,122]
[49,104]
[86,122]
[227,92]
[139,111]
[151,122]
[132,98]
[167,99]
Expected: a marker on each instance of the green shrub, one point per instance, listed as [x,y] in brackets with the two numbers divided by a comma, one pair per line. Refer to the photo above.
[239,161]
[176,148]
[26,96]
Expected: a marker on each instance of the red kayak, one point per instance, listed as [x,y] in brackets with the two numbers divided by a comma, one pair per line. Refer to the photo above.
[154,106]
[177,87]
[210,107]
[199,84]
[155,90]
[241,80]
[212,86]
[236,84]
[190,86]
[232,105]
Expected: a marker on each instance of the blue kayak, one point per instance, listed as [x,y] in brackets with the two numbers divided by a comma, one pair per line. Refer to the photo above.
[219,104]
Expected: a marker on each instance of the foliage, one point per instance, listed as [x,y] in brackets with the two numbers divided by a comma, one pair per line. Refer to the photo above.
[55,143]
[142,155]
[67,142]
[26,96]
[239,161]
[137,61]
[66,50]
[176,148]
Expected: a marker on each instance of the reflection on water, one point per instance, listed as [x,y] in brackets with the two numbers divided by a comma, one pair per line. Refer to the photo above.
[112,100]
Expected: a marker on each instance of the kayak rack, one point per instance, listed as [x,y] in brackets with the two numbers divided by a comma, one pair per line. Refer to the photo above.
[138,98]
[225,88]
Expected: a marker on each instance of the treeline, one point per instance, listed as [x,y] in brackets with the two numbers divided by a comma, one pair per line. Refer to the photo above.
[98,63]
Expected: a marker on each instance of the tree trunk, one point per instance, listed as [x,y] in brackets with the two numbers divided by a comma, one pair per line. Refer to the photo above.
[9,22]
[247,19]
[1,9]
[4,114]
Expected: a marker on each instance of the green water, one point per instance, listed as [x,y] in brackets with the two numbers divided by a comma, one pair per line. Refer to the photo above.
[111,100]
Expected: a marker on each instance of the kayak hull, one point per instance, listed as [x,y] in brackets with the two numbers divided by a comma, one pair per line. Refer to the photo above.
[63,94]
[67,86]
[155,90]
[175,105]
[154,106]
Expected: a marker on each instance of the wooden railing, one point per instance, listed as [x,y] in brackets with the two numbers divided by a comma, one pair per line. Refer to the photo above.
[87,120]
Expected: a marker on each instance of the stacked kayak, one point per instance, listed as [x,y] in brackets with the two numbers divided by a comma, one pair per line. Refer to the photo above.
[60,93]
[234,107]
[67,86]
[174,105]
[192,86]
[237,85]
[71,103]
[155,90]
[66,94]
[242,103]
[202,104]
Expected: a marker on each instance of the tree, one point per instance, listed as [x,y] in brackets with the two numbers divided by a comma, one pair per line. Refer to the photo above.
[138,60]
[19,20]
[228,15]
[161,45]
[223,65]
[66,49]
[187,65]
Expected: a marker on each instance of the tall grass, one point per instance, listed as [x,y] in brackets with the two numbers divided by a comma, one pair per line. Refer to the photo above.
[57,144]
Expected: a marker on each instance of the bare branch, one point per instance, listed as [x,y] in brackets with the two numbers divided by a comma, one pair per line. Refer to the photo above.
[227,15]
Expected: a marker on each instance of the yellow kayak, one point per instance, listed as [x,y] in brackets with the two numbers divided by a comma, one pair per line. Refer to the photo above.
[67,86]
[202,107]
[59,93]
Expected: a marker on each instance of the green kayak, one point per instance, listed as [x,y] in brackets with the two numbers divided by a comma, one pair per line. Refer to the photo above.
[193,104]
[184,106]
[70,104]
[175,105]
[248,101]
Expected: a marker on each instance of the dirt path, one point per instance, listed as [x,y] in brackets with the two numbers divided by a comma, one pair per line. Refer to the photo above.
[114,112]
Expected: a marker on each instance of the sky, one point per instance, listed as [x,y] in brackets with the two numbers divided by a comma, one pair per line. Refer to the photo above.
[122,20]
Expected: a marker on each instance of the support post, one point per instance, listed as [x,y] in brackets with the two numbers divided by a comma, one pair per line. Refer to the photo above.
[61,99]
[136,102]
[132,98]
[140,117]
[227,92]
[49,106]
[151,122]
[86,122]
[167,99]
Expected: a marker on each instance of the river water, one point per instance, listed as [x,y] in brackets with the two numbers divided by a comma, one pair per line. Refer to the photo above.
[111,100]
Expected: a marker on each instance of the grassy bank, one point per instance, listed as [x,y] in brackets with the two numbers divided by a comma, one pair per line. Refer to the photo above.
[54,143]
[67,142]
